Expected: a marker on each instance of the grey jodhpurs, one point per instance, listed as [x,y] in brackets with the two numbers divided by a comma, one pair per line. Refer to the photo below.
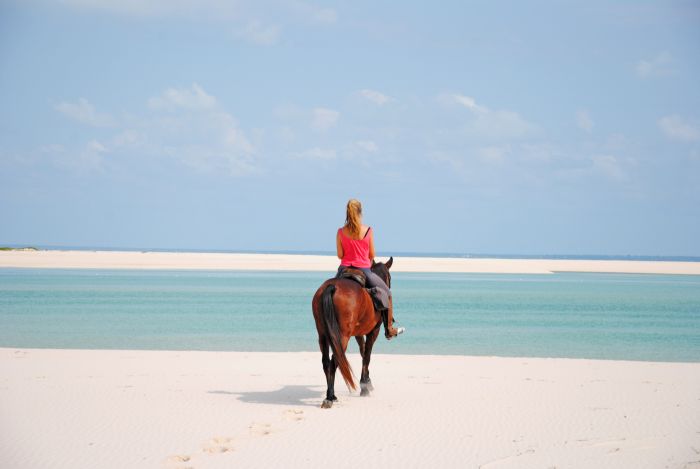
[374,281]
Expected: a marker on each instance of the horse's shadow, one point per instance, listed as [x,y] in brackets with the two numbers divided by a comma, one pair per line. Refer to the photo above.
[296,394]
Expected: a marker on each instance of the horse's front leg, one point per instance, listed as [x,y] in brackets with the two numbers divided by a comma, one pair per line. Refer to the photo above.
[365,381]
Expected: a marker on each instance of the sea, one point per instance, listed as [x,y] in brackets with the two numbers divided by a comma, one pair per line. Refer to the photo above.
[573,315]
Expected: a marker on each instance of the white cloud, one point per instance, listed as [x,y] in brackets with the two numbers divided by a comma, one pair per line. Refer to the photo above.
[610,166]
[440,157]
[210,159]
[161,8]
[319,119]
[289,112]
[487,123]
[469,103]
[286,134]
[367,146]
[249,20]
[660,65]
[83,111]
[258,33]
[493,154]
[584,121]
[540,153]
[96,147]
[578,168]
[234,139]
[87,159]
[224,10]
[314,13]
[196,131]
[52,148]
[375,96]
[317,153]
[323,119]
[677,128]
[325,15]
[500,125]
[208,142]
[191,99]
[128,137]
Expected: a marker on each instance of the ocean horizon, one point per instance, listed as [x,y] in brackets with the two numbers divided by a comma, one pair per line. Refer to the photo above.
[436,254]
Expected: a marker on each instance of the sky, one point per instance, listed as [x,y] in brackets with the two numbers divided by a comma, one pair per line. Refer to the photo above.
[543,127]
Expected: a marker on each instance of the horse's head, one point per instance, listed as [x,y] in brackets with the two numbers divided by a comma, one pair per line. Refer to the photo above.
[382,269]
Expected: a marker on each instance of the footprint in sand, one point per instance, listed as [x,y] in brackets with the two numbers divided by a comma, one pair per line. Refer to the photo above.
[174,461]
[218,445]
[294,415]
[260,429]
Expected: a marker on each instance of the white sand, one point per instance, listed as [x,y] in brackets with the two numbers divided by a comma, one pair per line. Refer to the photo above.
[235,261]
[160,409]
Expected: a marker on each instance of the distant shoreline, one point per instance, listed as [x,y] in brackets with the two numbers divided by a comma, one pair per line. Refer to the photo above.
[84,259]
[439,255]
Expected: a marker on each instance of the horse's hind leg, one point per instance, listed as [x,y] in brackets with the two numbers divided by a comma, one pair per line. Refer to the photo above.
[361,343]
[334,366]
[329,370]
[365,381]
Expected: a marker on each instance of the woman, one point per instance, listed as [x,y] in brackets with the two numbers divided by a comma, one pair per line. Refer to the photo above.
[355,247]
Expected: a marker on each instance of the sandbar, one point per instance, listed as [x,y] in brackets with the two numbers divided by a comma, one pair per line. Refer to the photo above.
[301,262]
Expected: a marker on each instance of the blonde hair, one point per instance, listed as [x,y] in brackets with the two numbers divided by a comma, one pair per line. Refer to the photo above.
[353,215]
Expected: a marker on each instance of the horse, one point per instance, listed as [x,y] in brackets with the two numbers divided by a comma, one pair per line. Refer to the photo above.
[342,309]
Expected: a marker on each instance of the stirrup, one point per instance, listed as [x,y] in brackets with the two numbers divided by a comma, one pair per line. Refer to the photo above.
[399,331]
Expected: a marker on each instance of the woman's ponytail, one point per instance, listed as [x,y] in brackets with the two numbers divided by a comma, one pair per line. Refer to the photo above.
[353,217]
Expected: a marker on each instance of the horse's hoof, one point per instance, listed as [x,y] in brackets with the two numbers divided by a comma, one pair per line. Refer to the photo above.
[326,404]
[370,386]
[364,392]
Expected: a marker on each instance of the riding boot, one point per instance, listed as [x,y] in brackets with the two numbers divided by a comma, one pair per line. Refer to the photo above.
[388,319]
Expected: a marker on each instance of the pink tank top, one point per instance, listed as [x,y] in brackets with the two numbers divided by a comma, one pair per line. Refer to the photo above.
[355,251]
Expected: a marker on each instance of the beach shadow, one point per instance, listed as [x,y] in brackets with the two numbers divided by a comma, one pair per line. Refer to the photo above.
[297,395]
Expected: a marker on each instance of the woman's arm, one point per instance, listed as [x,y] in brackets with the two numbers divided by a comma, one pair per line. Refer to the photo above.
[338,245]
[371,244]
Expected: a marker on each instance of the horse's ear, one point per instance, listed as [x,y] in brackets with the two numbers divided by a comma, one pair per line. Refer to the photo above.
[389,262]
[373,263]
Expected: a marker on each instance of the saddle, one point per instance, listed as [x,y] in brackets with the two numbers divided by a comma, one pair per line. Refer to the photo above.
[358,276]
[353,274]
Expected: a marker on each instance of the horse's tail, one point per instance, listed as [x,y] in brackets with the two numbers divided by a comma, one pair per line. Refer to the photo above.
[333,332]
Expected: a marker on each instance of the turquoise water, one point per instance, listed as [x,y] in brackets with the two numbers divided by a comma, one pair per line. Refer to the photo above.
[609,316]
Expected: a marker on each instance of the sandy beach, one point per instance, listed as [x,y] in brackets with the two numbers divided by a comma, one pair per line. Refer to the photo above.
[195,409]
[164,409]
[293,262]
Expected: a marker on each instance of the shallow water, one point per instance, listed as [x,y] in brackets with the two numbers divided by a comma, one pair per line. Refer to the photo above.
[609,316]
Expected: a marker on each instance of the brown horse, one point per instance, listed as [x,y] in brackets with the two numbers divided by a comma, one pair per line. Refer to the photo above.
[343,309]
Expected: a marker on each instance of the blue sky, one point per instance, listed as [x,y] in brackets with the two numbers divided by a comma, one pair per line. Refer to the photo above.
[470,127]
